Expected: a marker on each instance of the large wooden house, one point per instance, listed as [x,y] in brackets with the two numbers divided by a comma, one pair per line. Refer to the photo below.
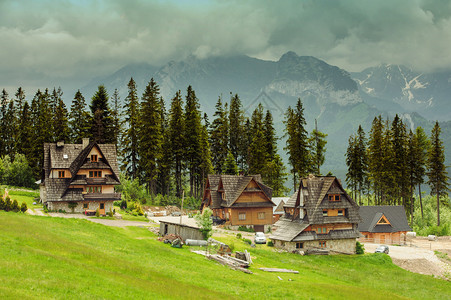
[79,177]
[383,224]
[319,215]
[240,200]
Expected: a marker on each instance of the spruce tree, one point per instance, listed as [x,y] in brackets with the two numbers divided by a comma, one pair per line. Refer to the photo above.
[236,121]
[205,166]
[400,166]
[317,145]
[176,138]
[230,167]
[165,162]
[219,137]
[61,129]
[420,154]
[376,157]
[79,120]
[193,128]
[130,138]
[437,174]
[10,129]
[297,142]
[257,150]
[150,134]
[102,122]
[25,133]
[3,122]
[352,164]
[116,116]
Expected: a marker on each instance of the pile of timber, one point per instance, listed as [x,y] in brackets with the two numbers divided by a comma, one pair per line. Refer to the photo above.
[279,270]
[231,262]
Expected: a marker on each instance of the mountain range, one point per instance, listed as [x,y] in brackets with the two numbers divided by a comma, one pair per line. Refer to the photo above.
[339,100]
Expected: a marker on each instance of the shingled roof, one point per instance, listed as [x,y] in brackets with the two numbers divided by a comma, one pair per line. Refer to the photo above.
[233,186]
[396,215]
[314,192]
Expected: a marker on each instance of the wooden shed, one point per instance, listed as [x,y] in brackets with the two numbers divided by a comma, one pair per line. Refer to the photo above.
[184,230]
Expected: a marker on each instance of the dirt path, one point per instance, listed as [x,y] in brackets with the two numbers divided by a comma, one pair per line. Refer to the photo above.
[416,259]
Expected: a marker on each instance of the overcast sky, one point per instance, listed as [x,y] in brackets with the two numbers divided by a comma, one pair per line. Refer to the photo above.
[64,42]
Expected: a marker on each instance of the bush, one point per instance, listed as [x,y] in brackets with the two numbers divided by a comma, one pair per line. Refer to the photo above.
[359,248]
[247,241]
[110,213]
[244,228]
[239,236]
[23,207]
[8,204]
[270,244]
[15,206]
[97,212]
[204,222]
[2,203]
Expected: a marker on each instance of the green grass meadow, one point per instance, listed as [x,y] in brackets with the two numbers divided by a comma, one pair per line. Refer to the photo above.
[44,257]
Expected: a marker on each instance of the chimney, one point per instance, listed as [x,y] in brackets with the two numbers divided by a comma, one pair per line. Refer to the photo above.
[60,144]
[85,142]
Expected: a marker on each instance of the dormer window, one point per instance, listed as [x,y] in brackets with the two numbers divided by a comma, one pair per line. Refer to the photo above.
[94,158]
[334,198]
[94,174]
[340,212]
[324,212]
[61,174]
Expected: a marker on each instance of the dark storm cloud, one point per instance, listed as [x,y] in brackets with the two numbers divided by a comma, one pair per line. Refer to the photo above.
[83,39]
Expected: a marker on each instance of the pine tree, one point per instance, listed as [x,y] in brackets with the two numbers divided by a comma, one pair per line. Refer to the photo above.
[150,134]
[257,150]
[236,121]
[230,167]
[205,166]
[3,122]
[20,99]
[437,174]
[102,122]
[269,134]
[297,146]
[25,132]
[219,137]
[193,128]
[317,144]
[420,154]
[352,164]
[130,137]
[165,162]
[176,138]
[61,130]
[376,157]
[10,128]
[79,120]
[400,166]
[116,116]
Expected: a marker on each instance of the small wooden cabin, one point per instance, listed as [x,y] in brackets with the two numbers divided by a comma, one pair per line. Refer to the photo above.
[383,224]
[319,215]
[240,200]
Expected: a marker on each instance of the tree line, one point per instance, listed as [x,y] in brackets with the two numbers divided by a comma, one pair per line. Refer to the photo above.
[393,162]
[166,149]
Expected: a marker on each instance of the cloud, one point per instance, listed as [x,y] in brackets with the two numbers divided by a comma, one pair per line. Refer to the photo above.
[78,40]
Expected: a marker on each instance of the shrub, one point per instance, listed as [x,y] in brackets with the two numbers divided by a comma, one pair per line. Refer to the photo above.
[2,203]
[15,206]
[23,207]
[110,213]
[46,209]
[270,244]
[8,204]
[204,222]
[359,248]
[247,241]
[239,236]
[246,229]
[269,229]
[97,212]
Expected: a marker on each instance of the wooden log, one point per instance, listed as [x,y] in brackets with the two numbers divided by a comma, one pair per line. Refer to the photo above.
[248,256]
[240,261]
[279,270]
[224,261]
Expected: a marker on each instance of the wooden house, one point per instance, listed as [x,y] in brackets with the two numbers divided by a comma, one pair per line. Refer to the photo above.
[278,210]
[79,177]
[383,224]
[240,200]
[319,215]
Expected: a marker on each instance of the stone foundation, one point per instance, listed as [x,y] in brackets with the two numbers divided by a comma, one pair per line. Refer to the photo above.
[235,227]
[334,246]
[92,205]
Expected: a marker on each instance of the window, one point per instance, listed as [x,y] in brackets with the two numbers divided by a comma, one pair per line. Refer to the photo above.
[334,197]
[102,205]
[61,174]
[340,212]
[93,158]
[95,173]
[321,230]
[261,215]
[85,205]
[94,189]
[324,212]
[299,245]
[322,244]
[324,230]
[242,216]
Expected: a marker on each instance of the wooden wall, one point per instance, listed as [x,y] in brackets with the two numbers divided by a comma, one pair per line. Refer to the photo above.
[251,216]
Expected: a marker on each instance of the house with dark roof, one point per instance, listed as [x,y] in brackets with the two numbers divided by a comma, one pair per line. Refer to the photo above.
[383,224]
[240,200]
[319,215]
[79,177]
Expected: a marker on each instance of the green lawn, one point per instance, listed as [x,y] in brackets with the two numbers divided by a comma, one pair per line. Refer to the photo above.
[43,257]
[22,195]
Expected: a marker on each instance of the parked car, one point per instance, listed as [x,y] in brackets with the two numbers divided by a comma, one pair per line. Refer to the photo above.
[260,238]
[382,249]
[217,220]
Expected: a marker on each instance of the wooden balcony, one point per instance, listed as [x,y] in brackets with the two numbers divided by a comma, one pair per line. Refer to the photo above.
[100,196]
[100,180]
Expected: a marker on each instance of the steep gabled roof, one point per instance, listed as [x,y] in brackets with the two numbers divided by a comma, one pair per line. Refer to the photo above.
[371,215]
[287,230]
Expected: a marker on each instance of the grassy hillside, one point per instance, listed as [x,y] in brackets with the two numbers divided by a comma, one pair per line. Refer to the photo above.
[43,257]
